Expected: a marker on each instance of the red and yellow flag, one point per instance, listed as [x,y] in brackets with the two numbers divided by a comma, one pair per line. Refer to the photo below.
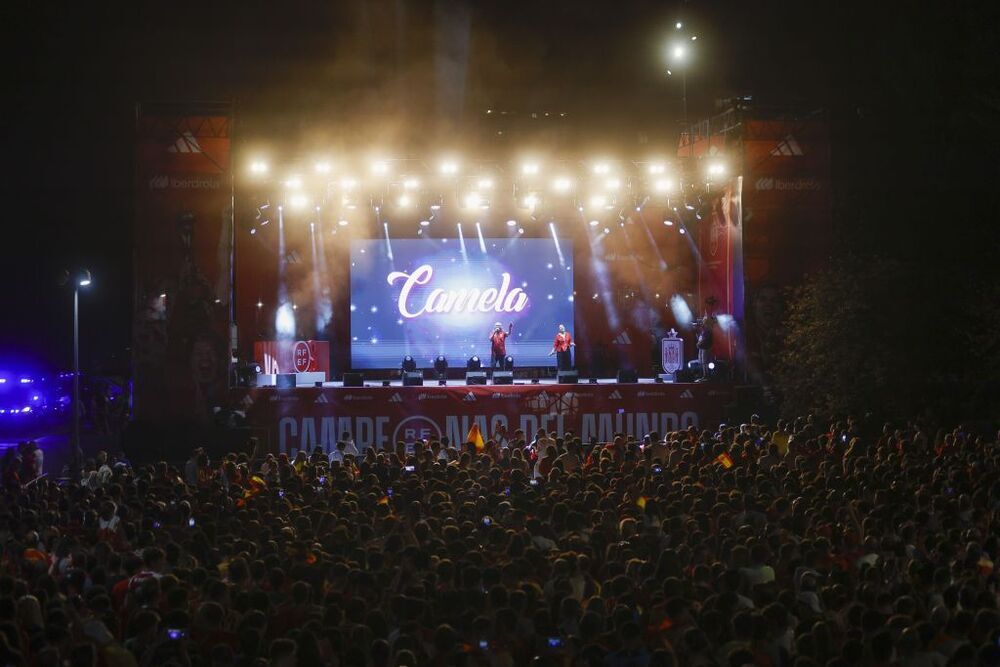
[476,438]
[725,460]
[641,502]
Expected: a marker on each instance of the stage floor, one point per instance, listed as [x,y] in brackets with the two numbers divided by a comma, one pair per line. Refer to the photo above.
[517,383]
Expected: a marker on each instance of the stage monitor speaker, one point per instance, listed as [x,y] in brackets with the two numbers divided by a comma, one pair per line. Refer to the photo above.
[503,377]
[475,377]
[628,376]
[413,379]
[354,380]
[285,381]
[567,377]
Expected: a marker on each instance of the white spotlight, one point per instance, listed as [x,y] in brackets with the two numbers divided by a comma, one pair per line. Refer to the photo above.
[322,167]
[598,201]
[342,222]
[529,169]
[613,184]
[404,201]
[380,167]
[678,25]
[663,185]
[512,223]
[668,223]
[682,231]
[485,184]
[594,223]
[411,184]
[473,200]
[449,167]
[425,223]
[678,52]
[298,201]
[258,167]
[293,183]
[562,184]
[716,169]
[348,183]
[602,168]
[657,168]
[531,201]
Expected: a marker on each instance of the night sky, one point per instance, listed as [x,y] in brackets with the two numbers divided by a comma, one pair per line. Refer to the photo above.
[911,88]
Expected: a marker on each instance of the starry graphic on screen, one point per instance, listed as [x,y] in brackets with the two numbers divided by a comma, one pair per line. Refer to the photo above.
[429,297]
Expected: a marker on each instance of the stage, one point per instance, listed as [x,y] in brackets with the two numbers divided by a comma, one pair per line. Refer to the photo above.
[286,420]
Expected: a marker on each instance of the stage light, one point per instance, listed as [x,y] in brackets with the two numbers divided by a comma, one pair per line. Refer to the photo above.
[411,184]
[404,201]
[562,184]
[529,169]
[342,222]
[594,223]
[473,364]
[508,363]
[441,364]
[258,167]
[512,223]
[293,183]
[657,168]
[163,295]
[663,185]
[598,201]
[298,201]
[716,169]
[520,230]
[260,304]
[322,167]
[531,201]
[348,183]
[485,184]
[668,223]
[473,200]
[380,167]
[425,223]
[409,365]
[711,365]
[694,38]
[449,167]
[678,52]
[678,25]
[613,184]
[683,231]
[602,168]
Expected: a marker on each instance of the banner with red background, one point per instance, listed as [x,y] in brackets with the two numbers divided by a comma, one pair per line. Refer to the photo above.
[183,260]
[285,420]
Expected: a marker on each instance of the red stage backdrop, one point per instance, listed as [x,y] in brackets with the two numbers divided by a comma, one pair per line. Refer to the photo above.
[720,273]
[305,418]
[183,260]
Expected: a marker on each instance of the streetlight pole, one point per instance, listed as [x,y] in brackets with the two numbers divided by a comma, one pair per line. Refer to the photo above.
[76,455]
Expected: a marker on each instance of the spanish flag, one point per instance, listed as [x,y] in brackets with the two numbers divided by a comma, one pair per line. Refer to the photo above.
[725,460]
[476,438]
[384,500]
[641,502]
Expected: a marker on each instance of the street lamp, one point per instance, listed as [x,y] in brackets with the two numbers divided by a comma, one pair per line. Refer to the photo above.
[678,57]
[81,279]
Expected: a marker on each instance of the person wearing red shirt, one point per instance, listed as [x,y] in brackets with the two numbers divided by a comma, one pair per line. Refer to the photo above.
[560,348]
[498,345]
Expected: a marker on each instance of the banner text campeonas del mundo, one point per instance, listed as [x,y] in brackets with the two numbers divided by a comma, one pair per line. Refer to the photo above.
[305,418]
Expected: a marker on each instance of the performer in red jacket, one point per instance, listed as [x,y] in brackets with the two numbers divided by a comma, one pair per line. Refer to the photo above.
[560,348]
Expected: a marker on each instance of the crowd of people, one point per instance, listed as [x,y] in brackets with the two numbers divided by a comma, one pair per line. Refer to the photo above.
[809,542]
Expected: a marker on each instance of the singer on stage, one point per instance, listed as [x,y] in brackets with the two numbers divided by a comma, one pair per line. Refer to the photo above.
[498,345]
[560,348]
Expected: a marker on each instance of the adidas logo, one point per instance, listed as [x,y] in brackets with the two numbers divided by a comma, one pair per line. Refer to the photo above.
[615,395]
[186,143]
[470,397]
[623,339]
[687,394]
[396,398]
[322,399]
[788,147]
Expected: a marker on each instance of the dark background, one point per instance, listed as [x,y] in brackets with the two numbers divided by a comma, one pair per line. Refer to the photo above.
[911,90]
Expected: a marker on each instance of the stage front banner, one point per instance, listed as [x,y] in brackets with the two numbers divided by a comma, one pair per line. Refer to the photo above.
[286,420]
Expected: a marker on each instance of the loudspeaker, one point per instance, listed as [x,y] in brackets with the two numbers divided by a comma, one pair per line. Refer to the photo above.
[354,380]
[475,377]
[413,379]
[285,381]
[567,377]
[503,377]
[628,376]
